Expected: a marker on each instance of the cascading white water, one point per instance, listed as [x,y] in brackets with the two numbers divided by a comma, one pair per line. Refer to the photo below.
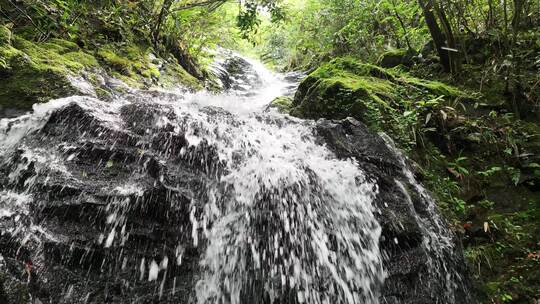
[218,199]
[286,219]
[293,219]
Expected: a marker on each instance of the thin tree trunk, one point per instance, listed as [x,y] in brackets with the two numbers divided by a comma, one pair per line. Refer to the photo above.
[491,16]
[405,34]
[516,18]
[160,19]
[452,49]
[436,33]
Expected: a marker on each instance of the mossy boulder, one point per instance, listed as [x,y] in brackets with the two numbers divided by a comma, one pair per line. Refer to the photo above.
[37,72]
[384,99]
[137,66]
[396,57]
[342,88]
[174,75]
[282,104]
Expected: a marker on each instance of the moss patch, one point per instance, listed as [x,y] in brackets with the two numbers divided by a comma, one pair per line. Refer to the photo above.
[387,99]
[396,57]
[137,66]
[282,104]
[129,63]
[36,72]
[5,35]
[32,72]
[173,76]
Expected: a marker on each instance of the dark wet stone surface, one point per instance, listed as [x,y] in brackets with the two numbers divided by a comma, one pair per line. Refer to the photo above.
[78,266]
[409,280]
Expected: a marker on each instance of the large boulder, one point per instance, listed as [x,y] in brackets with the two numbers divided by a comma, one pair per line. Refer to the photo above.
[345,87]
[388,100]
[99,205]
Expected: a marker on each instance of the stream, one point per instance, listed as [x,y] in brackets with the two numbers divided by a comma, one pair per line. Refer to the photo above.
[178,197]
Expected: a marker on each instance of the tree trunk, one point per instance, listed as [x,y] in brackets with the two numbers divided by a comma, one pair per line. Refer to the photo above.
[516,18]
[491,22]
[436,33]
[452,51]
[160,19]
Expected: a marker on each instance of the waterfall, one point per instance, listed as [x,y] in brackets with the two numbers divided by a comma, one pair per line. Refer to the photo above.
[206,198]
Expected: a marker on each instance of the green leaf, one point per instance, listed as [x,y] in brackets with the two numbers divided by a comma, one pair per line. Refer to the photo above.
[407,113]
[109,164]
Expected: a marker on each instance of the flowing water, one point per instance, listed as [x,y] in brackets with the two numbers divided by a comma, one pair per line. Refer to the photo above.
[272,214]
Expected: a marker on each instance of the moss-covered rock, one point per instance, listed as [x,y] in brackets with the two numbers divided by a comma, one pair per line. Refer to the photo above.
[342,88]
[396,57]
[379,97]
[282,104]
[136,65]
[37,72]
[33,72]
[478,159]
[116,62]
[173,76]
[5,35]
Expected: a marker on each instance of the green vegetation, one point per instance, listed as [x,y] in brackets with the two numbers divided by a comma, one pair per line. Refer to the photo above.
[483,166]
[457,90]
[37,71]
[384,99]
[143,43]
[282,104]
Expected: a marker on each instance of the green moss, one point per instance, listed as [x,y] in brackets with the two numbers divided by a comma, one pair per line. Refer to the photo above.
[115,61]
[282,104]
[151,72]
[396,57]
[393,53]
[36,72]
[5,35]
[59,55]
[85,59]
[387,99]
[433,87]
[130,64]
[343,88]
[60,46]
[27,87]
[174,76]
[347,64]
[67,46]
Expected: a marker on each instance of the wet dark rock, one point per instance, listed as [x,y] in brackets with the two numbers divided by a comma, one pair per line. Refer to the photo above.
[142,186]
[394,58]
[79,264]
[236,74]
[403,228]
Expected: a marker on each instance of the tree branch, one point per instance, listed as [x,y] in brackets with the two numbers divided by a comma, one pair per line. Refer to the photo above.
[215,3]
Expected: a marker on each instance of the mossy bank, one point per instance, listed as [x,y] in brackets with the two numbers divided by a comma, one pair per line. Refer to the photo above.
[33,72]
